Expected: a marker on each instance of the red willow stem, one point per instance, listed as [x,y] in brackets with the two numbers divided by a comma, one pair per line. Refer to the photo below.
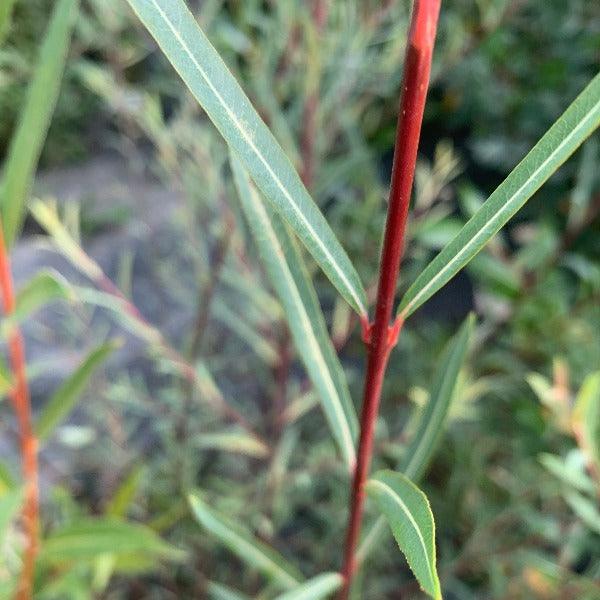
[380,336]
[21,403]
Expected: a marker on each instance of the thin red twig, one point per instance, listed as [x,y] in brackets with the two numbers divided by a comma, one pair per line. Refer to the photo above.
[380,336]
[21,403]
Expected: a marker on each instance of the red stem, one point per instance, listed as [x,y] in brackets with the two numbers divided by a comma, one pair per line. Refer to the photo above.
[21,403]
[381,337]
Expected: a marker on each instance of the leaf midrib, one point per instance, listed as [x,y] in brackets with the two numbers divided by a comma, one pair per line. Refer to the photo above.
[307,326]
[394,496]
[251,144]
[506,206]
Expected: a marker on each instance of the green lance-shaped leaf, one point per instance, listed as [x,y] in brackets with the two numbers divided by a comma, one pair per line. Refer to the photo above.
[288,275]
[210,81]
[569,474]
[44,287]
[242,543]
[46,215]
[317,588]
[431,424]
[408,513]
[90,539]
[65,398]
[577,123]
[585,508]
[586,416]
[27,143]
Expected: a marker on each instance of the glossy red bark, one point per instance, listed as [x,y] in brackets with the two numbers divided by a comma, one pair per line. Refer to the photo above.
[382,336]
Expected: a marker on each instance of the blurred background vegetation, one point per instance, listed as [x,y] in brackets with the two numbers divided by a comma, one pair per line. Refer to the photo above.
[137,175]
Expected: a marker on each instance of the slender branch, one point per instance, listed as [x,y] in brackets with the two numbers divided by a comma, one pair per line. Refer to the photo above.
[208,292]
[203,310]
[320,11]
[380,336]
[22,406]
[87,265]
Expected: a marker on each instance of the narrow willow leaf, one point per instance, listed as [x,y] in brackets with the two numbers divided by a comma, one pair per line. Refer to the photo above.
[408,513]
[26,145]
[236,442]
[65,398]
[317,588]
[46,214]
[201,68]
[245,546]
[431,424]
[585,509]
[120,310]
[288,276]
[126,492]
[217,591]
[44,287]
[568,473]
[10,503]
[92,538]
[577,123]
[586,416]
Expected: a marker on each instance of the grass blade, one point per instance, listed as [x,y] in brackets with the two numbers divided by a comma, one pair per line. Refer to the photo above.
[431,424]
[27,143]
[245,546]
[317,588]
[64,399]
[210,81]
[558,143]
[288,275]
[407,510]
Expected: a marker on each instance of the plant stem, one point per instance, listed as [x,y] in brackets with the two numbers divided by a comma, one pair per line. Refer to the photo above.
[208,292]
[320,11]
[380,336]
[183,366]
[22,406]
